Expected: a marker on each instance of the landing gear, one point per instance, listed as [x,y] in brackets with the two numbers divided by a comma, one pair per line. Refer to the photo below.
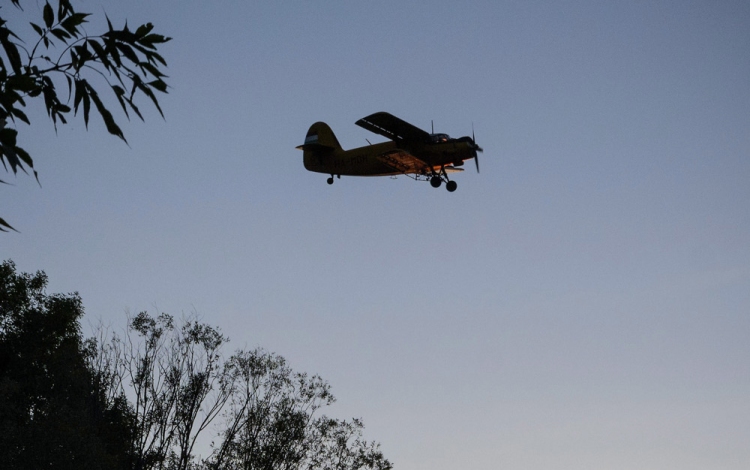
[330,180]
[437,179]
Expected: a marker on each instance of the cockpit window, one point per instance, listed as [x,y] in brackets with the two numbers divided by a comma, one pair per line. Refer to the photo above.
[439,138]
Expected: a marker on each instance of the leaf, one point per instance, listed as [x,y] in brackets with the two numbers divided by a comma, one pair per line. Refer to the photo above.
[86,108]
[70,86]
[26,158]
[15,112]
[10,97]
[100,54]
[64,9]
[159,85]
[5,225]
[151,69]
[111,49]
[72,22]
[83,55]
[11,51]
[144,29]
[127,51]
[151,95]
[79,91]
[24,83]
[8,141]
[49,15]
[60,34]
[120,93]
[15,156]
[38,29]
[135,108]
[50,96]
[82,95]
[152,39]
[109,121]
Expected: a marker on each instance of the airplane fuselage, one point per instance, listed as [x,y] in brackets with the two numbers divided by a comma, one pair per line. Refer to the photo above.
[378,159]
[360,161]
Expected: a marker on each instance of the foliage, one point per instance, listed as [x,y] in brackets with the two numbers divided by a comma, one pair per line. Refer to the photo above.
[52,415]
[271,423]
[174,379]
[180,384]
[127,62]
[143,400]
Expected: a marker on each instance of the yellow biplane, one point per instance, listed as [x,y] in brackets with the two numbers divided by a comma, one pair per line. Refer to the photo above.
[411,152]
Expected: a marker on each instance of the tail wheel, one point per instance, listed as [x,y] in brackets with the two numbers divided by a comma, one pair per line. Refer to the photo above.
[330,180]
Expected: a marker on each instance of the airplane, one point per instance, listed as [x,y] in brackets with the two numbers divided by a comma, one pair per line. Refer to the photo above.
[410,151]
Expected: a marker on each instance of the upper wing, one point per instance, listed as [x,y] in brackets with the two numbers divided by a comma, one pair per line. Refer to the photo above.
[393,128]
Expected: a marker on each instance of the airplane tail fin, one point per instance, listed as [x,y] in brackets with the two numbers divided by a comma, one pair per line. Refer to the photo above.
[320,142]
[320,137]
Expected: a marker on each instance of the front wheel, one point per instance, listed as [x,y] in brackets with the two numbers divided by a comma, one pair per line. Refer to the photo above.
[436,181]
[451,186]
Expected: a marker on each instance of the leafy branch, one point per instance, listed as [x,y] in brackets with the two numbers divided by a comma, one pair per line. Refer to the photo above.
[126,60]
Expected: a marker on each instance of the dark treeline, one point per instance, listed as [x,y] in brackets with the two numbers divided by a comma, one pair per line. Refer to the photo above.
[141,400]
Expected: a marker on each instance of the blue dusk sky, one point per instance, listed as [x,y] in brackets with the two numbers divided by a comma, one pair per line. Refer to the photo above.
[583,302]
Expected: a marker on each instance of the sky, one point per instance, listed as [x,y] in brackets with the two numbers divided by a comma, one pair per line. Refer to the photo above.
[583,302]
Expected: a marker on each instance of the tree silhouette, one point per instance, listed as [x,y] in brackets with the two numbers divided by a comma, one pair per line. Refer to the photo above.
[264,415]
[141,401]
[52,414]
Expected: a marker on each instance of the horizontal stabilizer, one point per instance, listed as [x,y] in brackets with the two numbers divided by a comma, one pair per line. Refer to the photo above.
[315,147]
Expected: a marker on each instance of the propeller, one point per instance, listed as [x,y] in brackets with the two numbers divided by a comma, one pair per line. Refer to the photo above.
[475,147]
